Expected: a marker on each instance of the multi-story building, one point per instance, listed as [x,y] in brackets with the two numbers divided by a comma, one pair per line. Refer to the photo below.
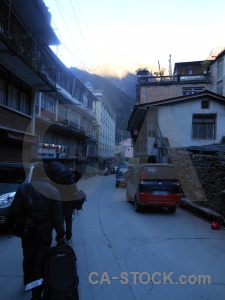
[46,112]
[25,68]
[67,121]
[106,120]
[217,73]
[180,110]
[188,78]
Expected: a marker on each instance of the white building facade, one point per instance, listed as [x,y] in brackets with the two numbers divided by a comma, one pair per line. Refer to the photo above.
[192,120]
[106,130]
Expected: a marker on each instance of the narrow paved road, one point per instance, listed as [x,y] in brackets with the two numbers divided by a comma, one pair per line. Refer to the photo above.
[123,255]
[151,255]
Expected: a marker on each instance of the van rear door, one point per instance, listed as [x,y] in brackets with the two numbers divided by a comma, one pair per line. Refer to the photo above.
[159,183]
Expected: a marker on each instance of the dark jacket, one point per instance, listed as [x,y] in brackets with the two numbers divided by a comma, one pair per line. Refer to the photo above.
[67,194]
[46,208]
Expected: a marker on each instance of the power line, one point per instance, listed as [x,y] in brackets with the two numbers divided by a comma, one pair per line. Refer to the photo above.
[74,58]
[72,55]
[71,39]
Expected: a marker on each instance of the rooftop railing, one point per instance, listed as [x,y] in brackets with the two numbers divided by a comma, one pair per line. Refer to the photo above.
[147,79]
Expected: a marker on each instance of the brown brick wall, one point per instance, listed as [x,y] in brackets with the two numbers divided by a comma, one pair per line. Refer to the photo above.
[14,120]
[47,114]
[156,93]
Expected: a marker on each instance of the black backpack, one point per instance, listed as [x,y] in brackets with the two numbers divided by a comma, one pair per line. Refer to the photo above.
[60,274]
[59,173]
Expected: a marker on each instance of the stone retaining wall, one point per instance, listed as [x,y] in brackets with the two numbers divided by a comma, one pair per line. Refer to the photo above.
[211,173]
[202,177]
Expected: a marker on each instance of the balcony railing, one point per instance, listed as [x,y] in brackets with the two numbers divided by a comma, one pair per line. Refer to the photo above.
[73,125]
[19,39]
[145,80]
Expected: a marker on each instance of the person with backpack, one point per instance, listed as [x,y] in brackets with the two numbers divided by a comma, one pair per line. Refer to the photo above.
[64,181]
[39,202]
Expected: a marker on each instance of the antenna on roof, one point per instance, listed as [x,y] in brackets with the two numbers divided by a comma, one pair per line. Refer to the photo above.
[170,66]
[159,68]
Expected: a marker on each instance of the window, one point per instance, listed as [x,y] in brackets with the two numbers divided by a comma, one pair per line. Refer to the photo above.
[203,127]
[62,111]
[82,123]
[85,100]
[2,92]
[13,97]
[205,104]
[3,86]
[220,87]
[74,117]
[48,102]
[220,68]
[90,103]
[24,99]
[70,87]
[15,94]
[192,90]
[77,94]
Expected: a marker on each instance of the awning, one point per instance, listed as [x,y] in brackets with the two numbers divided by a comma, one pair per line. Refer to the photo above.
[22,137]
[137,118]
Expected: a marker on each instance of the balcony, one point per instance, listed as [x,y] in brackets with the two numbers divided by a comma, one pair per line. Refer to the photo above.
[73,125]
[22,53]
[62,121]
[82,129]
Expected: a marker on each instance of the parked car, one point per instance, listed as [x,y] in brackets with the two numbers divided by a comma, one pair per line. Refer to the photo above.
[153,185]
[11,176]
[120,180]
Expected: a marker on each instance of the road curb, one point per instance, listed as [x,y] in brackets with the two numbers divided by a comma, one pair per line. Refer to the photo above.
[205,212]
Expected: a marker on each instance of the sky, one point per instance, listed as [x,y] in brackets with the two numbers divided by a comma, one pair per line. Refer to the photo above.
[128,34]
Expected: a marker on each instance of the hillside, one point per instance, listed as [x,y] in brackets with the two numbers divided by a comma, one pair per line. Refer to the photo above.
[118,92]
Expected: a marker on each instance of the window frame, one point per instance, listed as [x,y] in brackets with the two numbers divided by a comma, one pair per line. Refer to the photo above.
[48,102]
[204,126]
[205,104]
[220,67]
[15,93]
[219,87]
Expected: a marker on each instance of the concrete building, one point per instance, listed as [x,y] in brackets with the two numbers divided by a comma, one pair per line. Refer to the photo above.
[217,73]
[177,123]
[46,112]
[106,119]
[25,68]
[178,111]
[188,78]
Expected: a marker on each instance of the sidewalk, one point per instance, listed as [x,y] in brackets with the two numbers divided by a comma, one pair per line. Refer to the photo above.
[11,273]
[202,211]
